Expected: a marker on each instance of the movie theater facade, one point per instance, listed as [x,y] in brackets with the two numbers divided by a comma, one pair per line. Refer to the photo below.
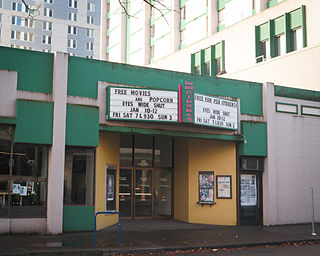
[79,136]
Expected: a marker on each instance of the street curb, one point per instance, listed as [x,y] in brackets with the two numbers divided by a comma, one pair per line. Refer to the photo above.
[116,251]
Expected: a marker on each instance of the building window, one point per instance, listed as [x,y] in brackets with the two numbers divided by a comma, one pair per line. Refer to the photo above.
[265,49]
[20,35]
[90,19]
[46,39]
[73,3]
[197,70]
[79,176]
[152,30]
[91,7]
[46,50]
[46,25]
[89,57]
[19,21]
[16,21]
[280,45]
[72,16]
[48,1]
[217,66]
[296,39]
[72,30]
[89,46]
[72,43]
[221,17]
[209,61]
[48,12]
[207,68]
[24,190]
[0,3]
[90,32]
[18,7]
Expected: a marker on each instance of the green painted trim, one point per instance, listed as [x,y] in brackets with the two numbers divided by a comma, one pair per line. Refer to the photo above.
[192,67]
[255,139]
[287,32]
[221,27]
[279,25]
[196,18]
[254,12]
[272,3]
[108,15]
[7,120]
[304,26]
[171,133]
[182,45]
[304,106]
[183,3]
[202,61]
[35,69]
[159,38]
[213,57]
[287,92]
[257,37]
[271,36]
[78,218]
[82,126]
[223,55]
[288,112]
[34,122]
[221,4]
[182,25]
[152,21]
[84,75]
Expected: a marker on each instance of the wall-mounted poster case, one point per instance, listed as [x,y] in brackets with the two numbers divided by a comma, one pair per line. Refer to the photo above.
[206,187]
[224,186]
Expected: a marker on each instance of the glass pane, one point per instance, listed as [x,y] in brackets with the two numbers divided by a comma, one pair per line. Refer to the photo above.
[207,68]
[126,150]
[143,150]
[217,63]
[29,187]
[163,151]
[163,192]
[78,176]
[4,196]
[143,193]
[5,142]
[125,192]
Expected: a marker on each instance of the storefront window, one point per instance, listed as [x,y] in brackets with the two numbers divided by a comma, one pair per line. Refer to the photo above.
[29,181]
[23,188]
[5,143]
[126,150]
[79,176]
[143,150]
[163,151]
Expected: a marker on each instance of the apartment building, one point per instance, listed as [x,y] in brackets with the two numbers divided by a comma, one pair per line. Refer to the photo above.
[251,40]
[57,25]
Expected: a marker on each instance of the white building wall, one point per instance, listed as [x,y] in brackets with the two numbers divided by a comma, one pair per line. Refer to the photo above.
[293,164]
[240,54]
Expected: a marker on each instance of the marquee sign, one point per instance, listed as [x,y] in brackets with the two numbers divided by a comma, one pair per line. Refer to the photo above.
[135,104]
[216,112]
[142,104]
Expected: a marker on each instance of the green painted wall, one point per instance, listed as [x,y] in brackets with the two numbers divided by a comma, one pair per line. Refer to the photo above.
[34,122]
[84,75]
[35,69]
[295,93]
[78,218]
[255,136]
[8,120]
[82,128]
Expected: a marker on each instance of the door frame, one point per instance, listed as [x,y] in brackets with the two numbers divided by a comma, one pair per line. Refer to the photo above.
[132,192]
[259,207]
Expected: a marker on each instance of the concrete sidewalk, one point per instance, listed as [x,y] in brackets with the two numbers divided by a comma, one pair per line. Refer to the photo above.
[143,236]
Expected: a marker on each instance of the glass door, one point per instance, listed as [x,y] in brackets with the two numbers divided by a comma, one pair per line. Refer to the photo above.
[137,202]
[250,199]
[125,192]
[143,193]
[163,193]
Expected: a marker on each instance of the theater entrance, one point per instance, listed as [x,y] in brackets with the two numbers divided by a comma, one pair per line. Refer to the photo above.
[145,177]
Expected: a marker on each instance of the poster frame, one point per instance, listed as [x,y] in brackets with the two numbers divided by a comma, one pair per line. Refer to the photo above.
[200,187]
[217,186]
